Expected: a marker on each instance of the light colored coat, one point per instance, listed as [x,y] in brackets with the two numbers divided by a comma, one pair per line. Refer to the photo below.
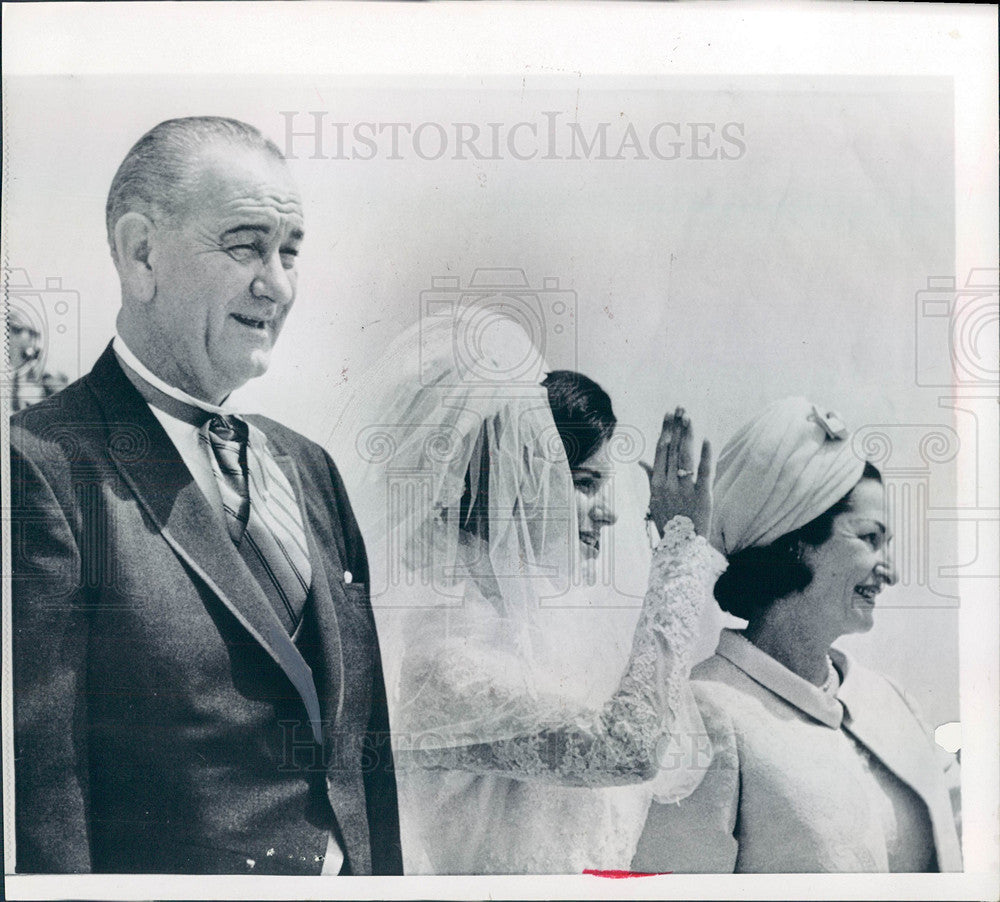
[788,790]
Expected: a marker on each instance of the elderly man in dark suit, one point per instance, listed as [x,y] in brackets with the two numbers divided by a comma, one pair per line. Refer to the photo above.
[197,680]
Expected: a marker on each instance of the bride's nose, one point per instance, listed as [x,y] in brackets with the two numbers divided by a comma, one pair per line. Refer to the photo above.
[603,512]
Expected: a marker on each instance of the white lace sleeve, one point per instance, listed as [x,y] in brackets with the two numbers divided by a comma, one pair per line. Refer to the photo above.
[618,744]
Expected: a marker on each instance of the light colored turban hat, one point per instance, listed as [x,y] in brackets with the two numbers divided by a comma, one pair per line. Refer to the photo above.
[780,471]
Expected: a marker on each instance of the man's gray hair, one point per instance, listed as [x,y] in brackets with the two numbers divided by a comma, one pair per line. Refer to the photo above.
[155,174]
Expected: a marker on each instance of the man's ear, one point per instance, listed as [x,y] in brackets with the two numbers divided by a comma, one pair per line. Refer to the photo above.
[134,237]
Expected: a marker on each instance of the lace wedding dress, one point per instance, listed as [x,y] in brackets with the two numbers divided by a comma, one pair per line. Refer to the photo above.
[525,740]
[573,793]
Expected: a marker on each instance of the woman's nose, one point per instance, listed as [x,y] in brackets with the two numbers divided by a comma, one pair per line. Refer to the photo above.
[888,569]
[603,512]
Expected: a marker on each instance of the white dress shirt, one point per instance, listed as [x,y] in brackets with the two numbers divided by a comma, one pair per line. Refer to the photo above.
[196,456]
[194,452]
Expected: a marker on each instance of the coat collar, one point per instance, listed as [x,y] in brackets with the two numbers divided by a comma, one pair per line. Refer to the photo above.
[871,708]
[875,712]
[763,669]
[883,718]
[149,463]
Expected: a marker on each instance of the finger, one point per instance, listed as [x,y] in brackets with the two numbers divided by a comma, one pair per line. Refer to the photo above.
[705,464]
[663,448]
[677,428]
[684,456]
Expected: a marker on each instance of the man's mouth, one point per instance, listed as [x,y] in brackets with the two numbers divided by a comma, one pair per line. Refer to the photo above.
[868,593]
[250,321]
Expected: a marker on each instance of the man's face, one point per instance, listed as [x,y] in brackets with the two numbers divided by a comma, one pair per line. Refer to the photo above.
[24,340]
[224,272]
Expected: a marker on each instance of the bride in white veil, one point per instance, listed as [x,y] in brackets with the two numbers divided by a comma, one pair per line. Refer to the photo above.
[525,741]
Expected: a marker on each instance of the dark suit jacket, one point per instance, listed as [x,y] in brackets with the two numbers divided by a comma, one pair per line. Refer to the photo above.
[161,717]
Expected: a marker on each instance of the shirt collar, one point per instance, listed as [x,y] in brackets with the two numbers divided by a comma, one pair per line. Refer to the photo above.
[123,351]
[852,682]
[763,669]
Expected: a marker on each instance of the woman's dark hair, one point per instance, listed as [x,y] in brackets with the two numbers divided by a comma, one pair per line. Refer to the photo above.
[757,577]
[582,412]
[583,417]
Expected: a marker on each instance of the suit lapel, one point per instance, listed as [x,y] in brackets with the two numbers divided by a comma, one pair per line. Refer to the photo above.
[161,482]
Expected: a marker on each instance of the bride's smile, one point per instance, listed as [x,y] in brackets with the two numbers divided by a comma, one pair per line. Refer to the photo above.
[594,502]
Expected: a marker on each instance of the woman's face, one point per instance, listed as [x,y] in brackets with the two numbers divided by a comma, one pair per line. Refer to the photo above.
[594,505]
[853,565]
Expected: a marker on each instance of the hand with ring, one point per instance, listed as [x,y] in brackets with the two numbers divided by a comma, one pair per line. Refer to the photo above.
[673,489]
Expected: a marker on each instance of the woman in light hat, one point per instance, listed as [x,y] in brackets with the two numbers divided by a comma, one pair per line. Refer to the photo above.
[820,765]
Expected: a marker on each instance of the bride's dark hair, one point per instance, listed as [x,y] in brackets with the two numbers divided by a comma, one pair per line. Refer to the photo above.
[582,413]
[584,419]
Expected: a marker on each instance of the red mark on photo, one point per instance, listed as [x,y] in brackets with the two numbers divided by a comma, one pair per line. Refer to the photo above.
[621,875]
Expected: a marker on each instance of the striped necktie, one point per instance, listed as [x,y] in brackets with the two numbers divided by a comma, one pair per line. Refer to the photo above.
[262,515]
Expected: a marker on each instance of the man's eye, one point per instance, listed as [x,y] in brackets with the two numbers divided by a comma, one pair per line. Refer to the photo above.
[242,251]
[585,485]
[288,258]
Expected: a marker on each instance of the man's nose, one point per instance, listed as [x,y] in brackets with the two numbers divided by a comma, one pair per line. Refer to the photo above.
[274,282]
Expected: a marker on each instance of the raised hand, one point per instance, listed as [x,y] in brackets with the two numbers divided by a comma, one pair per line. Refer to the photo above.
[674,488]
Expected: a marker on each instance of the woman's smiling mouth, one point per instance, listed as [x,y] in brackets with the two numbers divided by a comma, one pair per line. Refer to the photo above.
[591,542]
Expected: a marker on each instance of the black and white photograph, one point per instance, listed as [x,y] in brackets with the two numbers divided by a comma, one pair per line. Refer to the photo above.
[500,450]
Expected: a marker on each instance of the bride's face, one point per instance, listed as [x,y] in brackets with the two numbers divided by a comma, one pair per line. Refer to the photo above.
[594,504]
